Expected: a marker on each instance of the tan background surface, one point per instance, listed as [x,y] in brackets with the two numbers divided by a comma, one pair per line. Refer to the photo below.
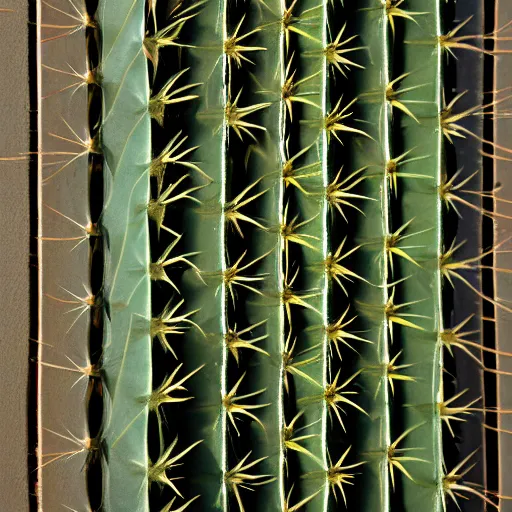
[14,256]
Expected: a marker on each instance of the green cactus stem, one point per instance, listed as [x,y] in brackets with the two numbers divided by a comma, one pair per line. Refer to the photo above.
[126,138]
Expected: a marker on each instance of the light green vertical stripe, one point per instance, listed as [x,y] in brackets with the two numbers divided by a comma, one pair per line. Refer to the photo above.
[126,138]
[420,201]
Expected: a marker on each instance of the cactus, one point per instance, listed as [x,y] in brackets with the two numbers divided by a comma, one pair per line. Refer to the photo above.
[422,349]
[263,195]
[128,270]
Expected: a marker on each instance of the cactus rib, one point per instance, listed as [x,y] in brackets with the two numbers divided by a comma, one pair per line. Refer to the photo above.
[127,346]
[427,358]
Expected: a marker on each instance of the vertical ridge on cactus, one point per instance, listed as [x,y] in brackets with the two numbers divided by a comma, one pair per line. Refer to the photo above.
[422,349]
[372,230]
[126,139]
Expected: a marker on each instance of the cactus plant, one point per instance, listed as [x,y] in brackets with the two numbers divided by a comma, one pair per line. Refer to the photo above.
[259,200]
[128,273]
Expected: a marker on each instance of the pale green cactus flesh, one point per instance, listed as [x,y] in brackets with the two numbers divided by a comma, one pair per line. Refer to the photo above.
[409,356]
[369,158]
[420,203]
[126,139]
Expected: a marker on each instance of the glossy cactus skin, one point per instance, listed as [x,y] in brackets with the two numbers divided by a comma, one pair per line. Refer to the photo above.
[205,233]
[126,141]
[372,262]
[424,348]
[263,169]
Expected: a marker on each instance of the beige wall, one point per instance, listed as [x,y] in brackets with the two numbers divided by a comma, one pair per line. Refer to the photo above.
[14,256]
